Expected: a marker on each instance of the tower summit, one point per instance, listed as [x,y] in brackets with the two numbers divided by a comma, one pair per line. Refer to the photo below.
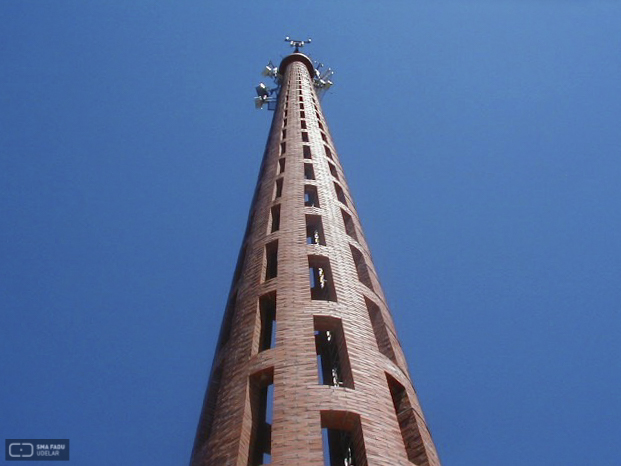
[308,368]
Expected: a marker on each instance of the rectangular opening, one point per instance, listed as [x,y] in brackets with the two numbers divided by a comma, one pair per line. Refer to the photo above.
[350,228]
[343,442]
[309,172]
[281,165]
[284,122]
[328,151]
[412,439]
[320,125]
[278,192]
[261,389]
[302,115]
[340,194]
[314,230]
[301,105]
[323,136]
[267,309]
[333,171]
[332,358]
[311,199]
[275,218]
[306,150]
[361,267]
[379,330]
[303,124]
[304,136]
[321,281]
[271,260]
[283,148]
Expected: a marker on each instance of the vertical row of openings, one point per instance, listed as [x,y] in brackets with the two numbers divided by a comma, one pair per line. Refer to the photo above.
[311,199]
[261,389]
[306,151]
[281,165]
[332,358]
[267,312]
[380,331]
[304,136]
[321,280]
[350,227]
[343,444]
[309,172]
[333,171]
[271,260]
[314,230]
[362,269]
[328,151]
[275,218]
[278,192]
[408,425]
[340,194]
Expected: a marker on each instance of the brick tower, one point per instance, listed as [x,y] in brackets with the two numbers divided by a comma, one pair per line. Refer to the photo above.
[308,369]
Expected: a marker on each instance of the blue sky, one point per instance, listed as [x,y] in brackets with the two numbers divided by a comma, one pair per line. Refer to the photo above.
[481,141]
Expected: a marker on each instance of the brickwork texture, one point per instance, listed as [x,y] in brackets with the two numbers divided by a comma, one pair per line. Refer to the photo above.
[305,274]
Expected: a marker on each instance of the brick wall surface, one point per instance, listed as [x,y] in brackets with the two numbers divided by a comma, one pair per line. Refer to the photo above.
[225,432]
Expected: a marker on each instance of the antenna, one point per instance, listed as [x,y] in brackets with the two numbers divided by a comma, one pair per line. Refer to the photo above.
[269,96]
[297,43]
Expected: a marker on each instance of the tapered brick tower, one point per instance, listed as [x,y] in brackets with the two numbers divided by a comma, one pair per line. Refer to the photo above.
[308,368]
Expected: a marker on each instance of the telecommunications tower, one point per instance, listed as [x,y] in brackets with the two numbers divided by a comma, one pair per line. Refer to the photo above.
[308,369]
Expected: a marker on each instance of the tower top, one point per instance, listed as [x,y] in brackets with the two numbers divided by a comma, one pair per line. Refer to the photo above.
[297,43]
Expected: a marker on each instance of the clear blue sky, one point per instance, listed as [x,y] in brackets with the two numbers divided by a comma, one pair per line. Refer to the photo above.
[482,143]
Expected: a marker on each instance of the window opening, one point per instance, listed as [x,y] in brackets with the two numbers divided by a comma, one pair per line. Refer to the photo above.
[303,124]
[410,432]
[379,330]
[343,442]
[306,150]
[304,136]
[320,277]
[284,133]
[302,115]
[333,171]
[323,136]
[314,230]
[301,105]
[350,228]
[340,194]
[278,188]
[275,223]
[361,267]
[309,172]
[261,410]
[281,165]
[267,310]
[271,260]
[328,151]
[284,122]
[283,147]
[332,358]
[320,125]
[310,196]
